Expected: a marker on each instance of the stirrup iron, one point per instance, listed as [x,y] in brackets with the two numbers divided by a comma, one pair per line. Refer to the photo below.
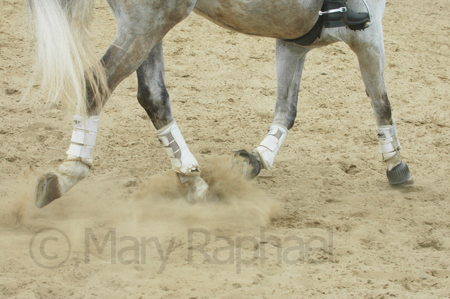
[337,14]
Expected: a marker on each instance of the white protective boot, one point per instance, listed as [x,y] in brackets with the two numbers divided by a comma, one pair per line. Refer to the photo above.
[269,147]
[397,171]
[184,163]
[389,145]
[79,160]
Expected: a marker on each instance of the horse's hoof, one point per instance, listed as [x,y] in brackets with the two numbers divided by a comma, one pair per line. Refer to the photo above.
[210,197]
[246,163]
[47,189]
[199,191]
[400,175]
[204,196]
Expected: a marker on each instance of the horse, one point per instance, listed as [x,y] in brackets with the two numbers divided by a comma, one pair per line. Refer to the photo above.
[73,75]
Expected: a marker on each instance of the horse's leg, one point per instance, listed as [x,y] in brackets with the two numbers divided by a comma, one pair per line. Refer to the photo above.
[290,59]
[141,26]
[369,48]
[154,98]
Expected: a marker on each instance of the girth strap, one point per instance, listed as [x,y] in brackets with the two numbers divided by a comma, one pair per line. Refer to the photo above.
[312,35]
[334,13]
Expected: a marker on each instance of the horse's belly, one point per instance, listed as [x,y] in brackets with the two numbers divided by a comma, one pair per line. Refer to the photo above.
[284,19]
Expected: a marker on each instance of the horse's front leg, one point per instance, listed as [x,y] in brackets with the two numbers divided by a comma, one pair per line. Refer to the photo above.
[290,59]
[369,47]
[154,98]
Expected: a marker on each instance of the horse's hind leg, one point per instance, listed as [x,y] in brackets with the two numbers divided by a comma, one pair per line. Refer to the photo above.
[141,26]
[369,47]
[290,59]
[154,98]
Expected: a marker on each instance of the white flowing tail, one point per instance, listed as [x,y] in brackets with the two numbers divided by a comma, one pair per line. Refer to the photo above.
[65,56]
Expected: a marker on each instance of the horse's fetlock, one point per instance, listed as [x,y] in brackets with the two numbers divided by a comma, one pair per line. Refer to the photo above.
[75,169]
[181,158]
[70,173]
[389,145]
[270,146]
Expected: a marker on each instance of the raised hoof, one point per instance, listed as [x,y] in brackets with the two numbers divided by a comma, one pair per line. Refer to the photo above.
[400,175]
[246,163]
[47,190]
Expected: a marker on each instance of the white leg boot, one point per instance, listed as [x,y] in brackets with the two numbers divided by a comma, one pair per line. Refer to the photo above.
[184,163]
[397,171]
[269,147]
[79,160]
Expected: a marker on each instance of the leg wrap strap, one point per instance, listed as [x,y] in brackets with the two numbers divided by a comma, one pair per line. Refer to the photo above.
[83,138]
[269,147]
[389,144]
[180,156]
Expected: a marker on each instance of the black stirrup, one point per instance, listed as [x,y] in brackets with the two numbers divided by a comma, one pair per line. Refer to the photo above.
[338,14]
[335,13]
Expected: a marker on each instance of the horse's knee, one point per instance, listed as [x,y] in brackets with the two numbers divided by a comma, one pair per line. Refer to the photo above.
[291,120]
[149,92]
[155,101]
[382,109]
[285,114]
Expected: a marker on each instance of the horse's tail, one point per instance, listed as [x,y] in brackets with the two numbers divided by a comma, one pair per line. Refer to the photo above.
[65,56]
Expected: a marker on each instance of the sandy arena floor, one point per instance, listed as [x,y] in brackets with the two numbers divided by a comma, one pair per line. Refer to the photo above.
[328,188]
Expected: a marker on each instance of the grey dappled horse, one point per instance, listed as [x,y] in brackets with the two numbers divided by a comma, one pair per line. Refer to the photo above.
[71,73]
